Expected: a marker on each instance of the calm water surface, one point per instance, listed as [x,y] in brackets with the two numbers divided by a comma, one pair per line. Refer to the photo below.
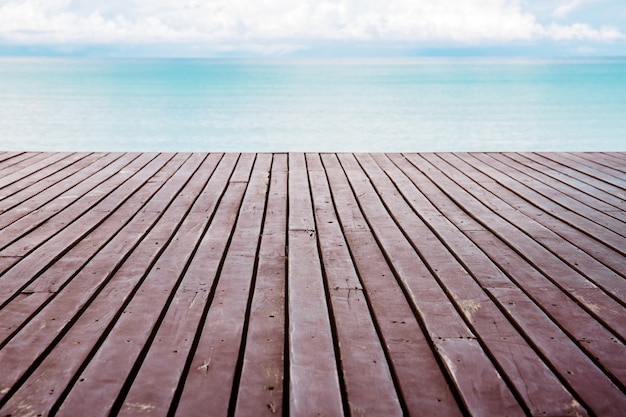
[455,104]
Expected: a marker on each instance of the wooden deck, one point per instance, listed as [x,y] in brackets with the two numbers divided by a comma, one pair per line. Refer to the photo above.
[487,284]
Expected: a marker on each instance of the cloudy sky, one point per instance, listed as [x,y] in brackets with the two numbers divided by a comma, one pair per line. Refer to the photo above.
[209,27]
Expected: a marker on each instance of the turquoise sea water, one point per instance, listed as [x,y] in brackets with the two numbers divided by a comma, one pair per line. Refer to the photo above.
[421,104]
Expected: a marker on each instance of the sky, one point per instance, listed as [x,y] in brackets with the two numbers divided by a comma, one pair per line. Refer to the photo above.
[312,27]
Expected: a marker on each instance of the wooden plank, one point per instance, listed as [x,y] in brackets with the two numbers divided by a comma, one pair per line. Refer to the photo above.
[576,322]
[456,344]
[368,382]
[21,208]
[314,386]
[64,240]
[432,284]
[57,316]
[261,385]
[598,303]
[109,290]
[20,161]
[595,163]
[614,160]
[58,274]
[565,195]
[7,156]
[32,185]
[421,381]
[134,331]
[19,225]
[576,180]
[562,166]
[215,366]
[466,274]
[586,265]
[561,239]
[588,168]
[602,234]
[49,159]
[603,394]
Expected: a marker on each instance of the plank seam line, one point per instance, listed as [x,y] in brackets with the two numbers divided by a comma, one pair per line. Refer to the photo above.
[84,264]
[366,296]
[62,334]
[329,304]
[529,235]
[518,397]
[532,344]
[178,393]
[244,332]
[76,241]
[420,320]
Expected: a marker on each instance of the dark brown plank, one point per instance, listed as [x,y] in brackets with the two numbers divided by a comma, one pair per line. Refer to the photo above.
[32,185]
[551,263]
[134,330]
[601,395]
[420,379]
[456,344]
[261,386]
[215,360]
[560,238]
[98,211]
[99,276]
[21,208]
[368,382]
[313,372]
[575,179]
[565,195]
[588,267]
[106,175]
[455,260]
[576,322]
[262,284]
[55,277]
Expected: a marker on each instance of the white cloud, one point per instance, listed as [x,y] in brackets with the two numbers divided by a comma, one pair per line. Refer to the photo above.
[282,24]
[565,8]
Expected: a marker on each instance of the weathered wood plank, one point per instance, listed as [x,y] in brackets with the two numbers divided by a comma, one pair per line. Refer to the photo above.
[59,273]
[99,277]
[34,167]
[587,167]
[564,195]
[134,329]
[261,386]
[451,256]
[32,185]
[421,382]
[369,386]
[313,373]
[578,188]
[562,239]
[260,284]
[455,342]
[64,239]
[214,366]
[600,396]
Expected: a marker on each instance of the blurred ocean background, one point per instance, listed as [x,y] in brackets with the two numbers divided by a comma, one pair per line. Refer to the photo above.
[408,104]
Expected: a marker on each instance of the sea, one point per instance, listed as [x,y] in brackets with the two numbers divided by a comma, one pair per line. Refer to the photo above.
[313,104]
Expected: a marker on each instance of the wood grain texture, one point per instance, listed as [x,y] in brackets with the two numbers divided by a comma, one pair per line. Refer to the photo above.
[441,284]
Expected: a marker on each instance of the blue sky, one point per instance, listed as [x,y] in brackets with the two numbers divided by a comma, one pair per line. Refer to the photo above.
[312,27]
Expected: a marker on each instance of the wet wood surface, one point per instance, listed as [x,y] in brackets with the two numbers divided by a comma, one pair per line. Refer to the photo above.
[439,284]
